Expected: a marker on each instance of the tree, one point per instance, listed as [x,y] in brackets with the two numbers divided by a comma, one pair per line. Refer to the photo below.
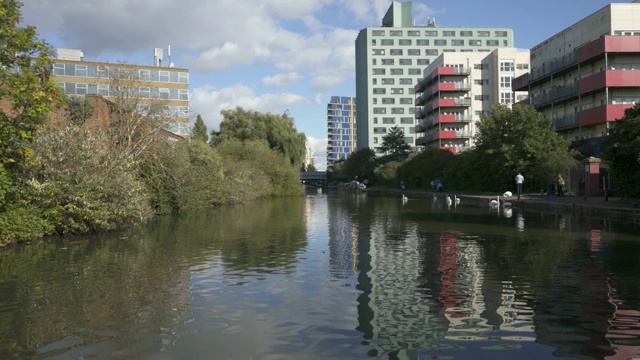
[311,167]
[520,140]
[27,92]
[279,132]
[200,130]
[394,144]
[622,151]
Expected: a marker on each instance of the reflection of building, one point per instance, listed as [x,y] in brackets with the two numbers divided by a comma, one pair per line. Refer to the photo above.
[343,236]
[341,128]
[147,84]
[585,76]
[390,59]
[459,87]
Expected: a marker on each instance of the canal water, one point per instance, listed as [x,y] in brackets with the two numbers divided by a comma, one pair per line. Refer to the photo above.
[331,276]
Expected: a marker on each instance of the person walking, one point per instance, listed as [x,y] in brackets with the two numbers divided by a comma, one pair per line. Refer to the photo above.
[519,181]
[560,185]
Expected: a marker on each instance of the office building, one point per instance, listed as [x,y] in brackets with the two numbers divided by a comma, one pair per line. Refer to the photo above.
[585,76]
[390,60]
[341,129]
[459,87]
[148,84]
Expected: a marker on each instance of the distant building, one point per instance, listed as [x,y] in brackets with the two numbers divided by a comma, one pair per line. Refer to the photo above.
[341,128]
[585,76]
[390,60]
[309,158]
[459,87]
[76,76]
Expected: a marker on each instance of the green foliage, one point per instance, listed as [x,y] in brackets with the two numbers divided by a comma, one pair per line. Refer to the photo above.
[520,140]
[419,170]
[25,85]
[311,167]
[386,174]
[393,143]
[279,132]
[78,110]
[185,176]
[360,163]
[200,130]
[622,152]
[79,187]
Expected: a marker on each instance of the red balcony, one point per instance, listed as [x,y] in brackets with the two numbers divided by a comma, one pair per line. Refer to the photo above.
[444,134]
[602,114]
[609,78]
[609,44]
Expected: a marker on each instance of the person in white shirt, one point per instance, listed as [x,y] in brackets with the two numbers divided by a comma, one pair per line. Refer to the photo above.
[519,181]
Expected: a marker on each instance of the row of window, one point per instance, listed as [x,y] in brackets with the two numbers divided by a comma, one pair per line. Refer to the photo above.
[439,42]
[111,90]
[341,100]
[179,111]
[391,101]
[121,73]
[435,33]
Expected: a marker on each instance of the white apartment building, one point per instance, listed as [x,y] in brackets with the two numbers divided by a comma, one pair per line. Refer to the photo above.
[459,87]
[390,60]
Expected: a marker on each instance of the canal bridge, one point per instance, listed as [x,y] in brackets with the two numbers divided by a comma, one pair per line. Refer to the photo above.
[314,178]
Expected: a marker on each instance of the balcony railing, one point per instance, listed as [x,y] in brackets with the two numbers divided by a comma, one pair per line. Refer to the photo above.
[566,122]
[557,94]
[553,66]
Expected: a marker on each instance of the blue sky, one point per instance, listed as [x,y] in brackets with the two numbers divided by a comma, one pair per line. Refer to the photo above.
[270,55]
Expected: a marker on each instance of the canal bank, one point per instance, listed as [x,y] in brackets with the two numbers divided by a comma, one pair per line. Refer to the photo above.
[579,204]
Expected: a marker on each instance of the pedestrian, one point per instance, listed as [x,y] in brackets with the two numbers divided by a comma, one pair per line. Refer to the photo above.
[402,185]
[560,185]
[519,181]
[439,185]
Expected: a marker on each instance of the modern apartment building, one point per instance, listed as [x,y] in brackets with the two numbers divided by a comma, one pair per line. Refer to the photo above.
[459,87]
[390,60]
[341,128]
[585,76]
[149,83]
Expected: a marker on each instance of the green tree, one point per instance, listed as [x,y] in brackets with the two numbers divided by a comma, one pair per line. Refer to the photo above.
[622,151]
[360,163]
[520,140]
[279,132]
[200,130]
[26,90]
[311,167]
[393,143]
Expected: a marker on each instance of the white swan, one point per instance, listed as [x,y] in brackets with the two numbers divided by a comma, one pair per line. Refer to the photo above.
[448,200]
[507,194]
[456,200]
[404,199]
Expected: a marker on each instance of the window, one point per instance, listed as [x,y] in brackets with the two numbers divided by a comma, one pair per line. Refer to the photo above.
[475,42]
[103,90]
[404,42]
[395,33]
[449,50]
[448,33]
[387,61]
[388,120]
[81,89]
[415,72]
[406,120]
[397,110]
[183,94]
[430,33]
[81,70]
[522,66]
[422,42]
[466,33]
[58,69]
[183,77]
[484,34]
[379,90]
[163,93]
[397,91]
[387,42]
[145,92]
[395,52]
[457,42]
[440,42]
[397,71]
[493,43]
[405,61]
[506,98]
[377,33]
[481,97]
[183,111]
[374,61]
[406,101]
[406,81]
[378,71]
[145,75]
[481,82]
[413,52]
[505,81]
[388,100]
[424,61]
[480,66]
[432,52]
[413,33]
[379,110]
[388,81]
[507,66]
[501,34]
[377,52]
[103,71]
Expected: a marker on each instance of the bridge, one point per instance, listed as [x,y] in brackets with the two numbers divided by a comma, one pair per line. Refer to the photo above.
[314,177]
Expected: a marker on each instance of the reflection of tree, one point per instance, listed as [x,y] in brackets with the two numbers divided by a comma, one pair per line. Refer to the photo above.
[130,294]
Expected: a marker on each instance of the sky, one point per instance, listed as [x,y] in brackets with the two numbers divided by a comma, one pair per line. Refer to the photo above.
[270,56]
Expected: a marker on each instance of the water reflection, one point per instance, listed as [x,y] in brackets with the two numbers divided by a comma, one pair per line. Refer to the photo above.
[342,276]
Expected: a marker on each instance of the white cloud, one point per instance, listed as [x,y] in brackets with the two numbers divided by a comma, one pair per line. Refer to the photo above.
[282,79]
[209,102]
